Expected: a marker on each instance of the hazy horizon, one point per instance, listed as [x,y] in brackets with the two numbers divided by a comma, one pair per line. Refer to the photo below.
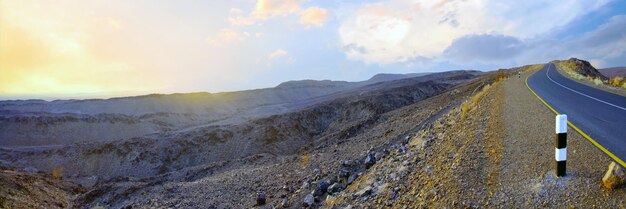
[103,49]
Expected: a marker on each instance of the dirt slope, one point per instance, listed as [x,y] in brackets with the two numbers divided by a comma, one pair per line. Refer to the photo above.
[20,189]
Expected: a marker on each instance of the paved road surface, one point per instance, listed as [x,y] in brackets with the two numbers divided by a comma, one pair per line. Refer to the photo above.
[600,114]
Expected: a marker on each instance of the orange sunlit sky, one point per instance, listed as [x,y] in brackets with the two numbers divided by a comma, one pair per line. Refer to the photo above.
[99,49]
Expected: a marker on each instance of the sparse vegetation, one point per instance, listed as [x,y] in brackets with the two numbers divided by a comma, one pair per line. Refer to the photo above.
[57,172]
[597,81]
[305,160]
[618,82]
[473,101]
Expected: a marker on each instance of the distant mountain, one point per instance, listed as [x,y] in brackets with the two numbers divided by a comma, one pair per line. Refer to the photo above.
[23,122]
[614,72]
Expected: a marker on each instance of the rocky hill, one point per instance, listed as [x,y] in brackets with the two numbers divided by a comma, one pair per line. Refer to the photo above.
[581,67]
[61,122]
[270,154]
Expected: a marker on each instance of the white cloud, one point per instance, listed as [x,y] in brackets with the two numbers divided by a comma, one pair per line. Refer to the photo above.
[314,16]
[235,11]
[225,36]
[276,54]
[266,9]
[395,31]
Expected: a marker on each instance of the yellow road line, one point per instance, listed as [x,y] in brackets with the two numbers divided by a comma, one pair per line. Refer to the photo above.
[594,142]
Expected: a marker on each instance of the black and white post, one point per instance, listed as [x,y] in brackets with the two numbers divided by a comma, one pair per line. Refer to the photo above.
[560,152]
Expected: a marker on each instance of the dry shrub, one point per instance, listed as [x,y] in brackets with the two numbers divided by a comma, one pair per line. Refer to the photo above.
[597,81]
[617,81]
[305,160]
[57,172]
[469,104]
[464,109]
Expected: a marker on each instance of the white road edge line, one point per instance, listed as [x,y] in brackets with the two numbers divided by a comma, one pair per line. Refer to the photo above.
[599,100]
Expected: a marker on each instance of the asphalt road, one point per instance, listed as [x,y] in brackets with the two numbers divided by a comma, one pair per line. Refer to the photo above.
[600,114]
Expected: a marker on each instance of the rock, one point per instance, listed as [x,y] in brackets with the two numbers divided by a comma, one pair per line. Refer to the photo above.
[329,197]
[614,177]
[31,170]
[343,173]
[284,203]
[402,149]
[346,163]
[309,200]
[364,192]
[336,187]
[305,185]
[378,155]
[370,160]
[323,186]
[260,198]
[352,178]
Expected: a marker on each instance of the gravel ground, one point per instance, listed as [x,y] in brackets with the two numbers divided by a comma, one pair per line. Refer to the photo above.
[527,169]
[499,155]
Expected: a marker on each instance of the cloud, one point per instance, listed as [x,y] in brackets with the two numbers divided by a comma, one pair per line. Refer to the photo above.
[484,48]
[235,11]
[394,31]
[608,40]
[276,54]
[266,9]
[269,8]
[225,36]
[314,16]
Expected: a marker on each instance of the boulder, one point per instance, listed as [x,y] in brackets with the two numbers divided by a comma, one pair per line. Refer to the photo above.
[370,160]
[343,173]
[285,203]
[614,177]
[352,178]
[260,199]
[309,200]
[336,187]
[323,186]
[363,192]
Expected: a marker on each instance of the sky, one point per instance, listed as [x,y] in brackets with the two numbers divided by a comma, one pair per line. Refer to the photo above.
[109,48]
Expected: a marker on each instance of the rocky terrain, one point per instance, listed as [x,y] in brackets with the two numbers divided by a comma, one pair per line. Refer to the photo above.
[459,139]
[480,157]
[22,189]
[238,160]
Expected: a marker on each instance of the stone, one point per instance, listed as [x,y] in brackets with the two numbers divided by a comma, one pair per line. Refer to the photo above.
[370,160]
[364,192]
[323,186]
[343,173]
[346,163]
[352,178]
[31,170]
[309,200]
[284,203]
[305,185]
[336,187]
[402,149]
[614,177]
[260,198]
[378,155]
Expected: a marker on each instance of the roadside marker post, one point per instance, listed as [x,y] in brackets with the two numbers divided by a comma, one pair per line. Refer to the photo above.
[560,152]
